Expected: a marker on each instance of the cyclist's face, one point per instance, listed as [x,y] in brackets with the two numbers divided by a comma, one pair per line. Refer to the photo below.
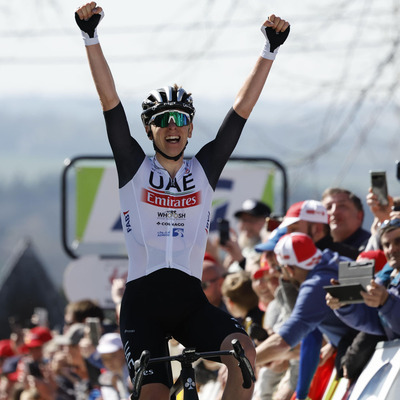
[172,139]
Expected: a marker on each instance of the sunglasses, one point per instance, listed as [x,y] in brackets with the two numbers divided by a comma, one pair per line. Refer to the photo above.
[390,222]
[163,119]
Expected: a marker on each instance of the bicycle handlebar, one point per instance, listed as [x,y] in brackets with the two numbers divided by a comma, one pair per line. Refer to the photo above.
[140,369]
[187,357]
[244,364]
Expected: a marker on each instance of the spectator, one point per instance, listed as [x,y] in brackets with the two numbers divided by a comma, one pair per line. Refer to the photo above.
[375,320]
[378,314]
[115,381]
[381,213]
[211,281]
[311,217]
[311,269]
[32,367]
[78,311]
[241,300]
[8,365]
[346,215]
[251,221]
[84,374]
[278,380]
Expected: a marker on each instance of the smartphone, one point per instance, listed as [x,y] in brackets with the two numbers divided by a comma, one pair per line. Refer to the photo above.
[398,170]
[379,186]
[94,329]
[34,369]
[223,229]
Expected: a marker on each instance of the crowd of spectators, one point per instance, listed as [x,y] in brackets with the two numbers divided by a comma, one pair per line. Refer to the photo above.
[271,281]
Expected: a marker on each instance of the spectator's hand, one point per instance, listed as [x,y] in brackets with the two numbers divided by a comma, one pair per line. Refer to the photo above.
[279,366]
[394,214]
[117,290]
[333,302]
[232,247]
[376,295]
[223,375]
[326,353]
[378,210]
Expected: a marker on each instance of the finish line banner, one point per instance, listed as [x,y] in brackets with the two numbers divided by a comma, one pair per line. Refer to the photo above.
[93,223]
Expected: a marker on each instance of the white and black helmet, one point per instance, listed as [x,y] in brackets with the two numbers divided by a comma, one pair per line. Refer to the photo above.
[167,98]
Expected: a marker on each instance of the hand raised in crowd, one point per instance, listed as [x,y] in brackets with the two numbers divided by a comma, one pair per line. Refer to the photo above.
[380,211]
[394,214]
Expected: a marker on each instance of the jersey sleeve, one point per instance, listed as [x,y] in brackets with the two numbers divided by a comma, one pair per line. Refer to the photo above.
[215,154]
[128,154]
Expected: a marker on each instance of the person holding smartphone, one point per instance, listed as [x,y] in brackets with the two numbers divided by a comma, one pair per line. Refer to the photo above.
[165,211]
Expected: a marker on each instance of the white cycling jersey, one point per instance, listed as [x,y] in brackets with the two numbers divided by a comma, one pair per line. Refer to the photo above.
[166,221]
[171,218]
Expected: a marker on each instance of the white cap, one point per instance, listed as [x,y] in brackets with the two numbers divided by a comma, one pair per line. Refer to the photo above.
[297,249]
[308,210]
[109,343]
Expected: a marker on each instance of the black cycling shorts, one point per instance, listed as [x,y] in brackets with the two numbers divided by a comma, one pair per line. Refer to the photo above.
[169,302]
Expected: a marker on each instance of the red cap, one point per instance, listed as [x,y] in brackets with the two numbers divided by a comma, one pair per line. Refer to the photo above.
[377,255]
[38,336]
[209,257]
[258,274]
[6,348]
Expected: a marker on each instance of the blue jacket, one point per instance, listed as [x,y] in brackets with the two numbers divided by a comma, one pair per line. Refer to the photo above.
[384,320]
[310,311]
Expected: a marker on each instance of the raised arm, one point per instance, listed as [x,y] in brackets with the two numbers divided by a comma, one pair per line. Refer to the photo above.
[275,30]
[88,17]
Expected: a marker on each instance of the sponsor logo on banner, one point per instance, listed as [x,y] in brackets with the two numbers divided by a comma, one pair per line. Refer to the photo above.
[164,200]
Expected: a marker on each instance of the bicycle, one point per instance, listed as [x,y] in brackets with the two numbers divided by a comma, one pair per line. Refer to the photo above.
[186,380]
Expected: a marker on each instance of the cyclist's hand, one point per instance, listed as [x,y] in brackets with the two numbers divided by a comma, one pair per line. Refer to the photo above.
[275,30]
[88,17]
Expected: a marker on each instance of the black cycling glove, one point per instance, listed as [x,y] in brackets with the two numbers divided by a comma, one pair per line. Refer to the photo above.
[273,41]
[88,28]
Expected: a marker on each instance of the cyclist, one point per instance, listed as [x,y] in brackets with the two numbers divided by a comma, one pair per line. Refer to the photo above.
[165,210]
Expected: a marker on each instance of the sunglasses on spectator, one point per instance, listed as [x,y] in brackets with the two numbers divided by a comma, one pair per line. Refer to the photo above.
[390,222]
[163,119]
[206,284]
